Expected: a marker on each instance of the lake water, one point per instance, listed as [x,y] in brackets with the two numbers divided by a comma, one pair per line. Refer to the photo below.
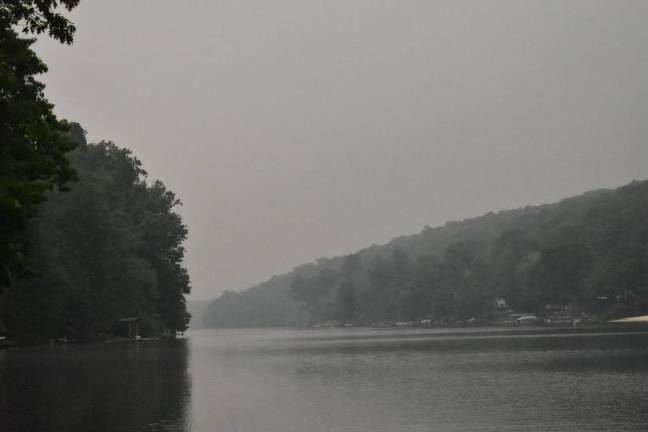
[334,380]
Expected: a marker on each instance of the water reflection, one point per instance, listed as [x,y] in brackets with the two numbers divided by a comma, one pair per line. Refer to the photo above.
[334,380]
[105,387]
[366,381]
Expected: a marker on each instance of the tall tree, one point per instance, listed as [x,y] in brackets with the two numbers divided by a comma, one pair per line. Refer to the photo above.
[163,235]
[33,142]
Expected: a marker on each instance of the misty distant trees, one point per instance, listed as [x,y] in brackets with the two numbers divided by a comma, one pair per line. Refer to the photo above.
[329,294]
[587,254]
[398,288]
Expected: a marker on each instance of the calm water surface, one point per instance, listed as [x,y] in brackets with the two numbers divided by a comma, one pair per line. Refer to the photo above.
[334,380]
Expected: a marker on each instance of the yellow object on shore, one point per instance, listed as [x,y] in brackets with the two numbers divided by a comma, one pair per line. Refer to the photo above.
[635,319]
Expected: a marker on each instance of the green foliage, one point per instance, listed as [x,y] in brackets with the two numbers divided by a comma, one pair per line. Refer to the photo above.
[39,16]
[585,255]
[109,248]
[33,142]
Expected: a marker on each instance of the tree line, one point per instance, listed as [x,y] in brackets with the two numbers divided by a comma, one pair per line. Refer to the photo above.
[587,255]
[85,238]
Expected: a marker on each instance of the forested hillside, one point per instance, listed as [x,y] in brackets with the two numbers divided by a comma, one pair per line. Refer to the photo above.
[587,254]
[110,247]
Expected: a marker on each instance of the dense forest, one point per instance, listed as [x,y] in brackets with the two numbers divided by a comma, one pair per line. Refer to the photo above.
[586,256]
[109,247]
[85,238]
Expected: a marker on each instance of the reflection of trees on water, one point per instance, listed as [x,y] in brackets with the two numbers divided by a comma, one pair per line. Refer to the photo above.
[117,387]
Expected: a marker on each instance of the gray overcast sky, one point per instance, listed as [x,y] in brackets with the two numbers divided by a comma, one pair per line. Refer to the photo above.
[299,129]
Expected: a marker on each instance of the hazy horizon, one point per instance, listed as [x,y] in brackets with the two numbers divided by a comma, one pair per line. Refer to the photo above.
[296,130]
[195,299]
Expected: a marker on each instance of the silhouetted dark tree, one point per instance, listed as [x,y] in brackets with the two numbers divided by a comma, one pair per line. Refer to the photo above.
[33,142]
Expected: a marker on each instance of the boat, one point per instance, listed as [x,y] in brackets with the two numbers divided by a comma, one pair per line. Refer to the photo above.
[527,320]
[630,320]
